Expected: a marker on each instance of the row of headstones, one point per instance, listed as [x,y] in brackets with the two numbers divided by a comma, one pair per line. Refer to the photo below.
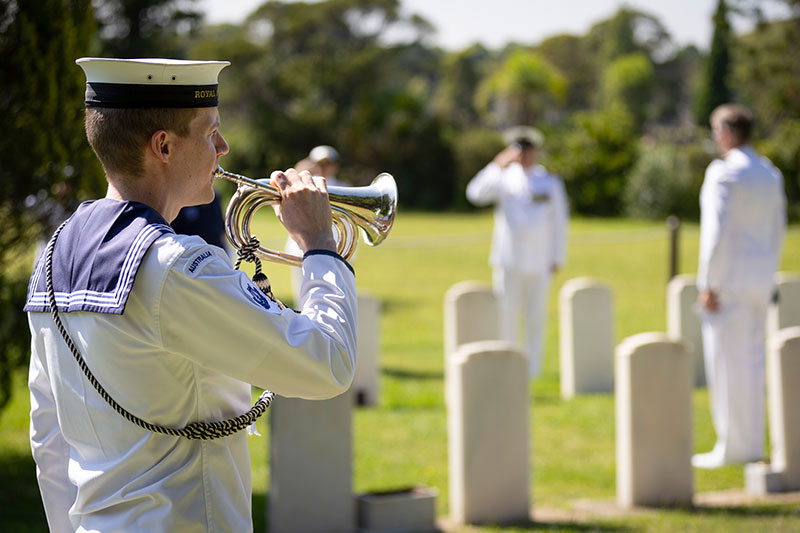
[586,328]
[311,487]
[311,444]
[487,403]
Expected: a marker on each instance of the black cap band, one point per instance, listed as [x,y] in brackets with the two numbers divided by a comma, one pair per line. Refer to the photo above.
[131,95]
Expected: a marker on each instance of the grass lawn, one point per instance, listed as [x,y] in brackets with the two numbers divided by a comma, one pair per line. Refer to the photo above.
[403,441]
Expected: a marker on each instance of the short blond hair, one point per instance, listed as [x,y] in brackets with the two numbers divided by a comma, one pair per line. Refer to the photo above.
[119,136]
[735,118]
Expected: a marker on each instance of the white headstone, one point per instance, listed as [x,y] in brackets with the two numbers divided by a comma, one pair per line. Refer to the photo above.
[654,422]
[783,393]
[487,422]
[586,330]
[786,313]
[470,315]
[366,382]
[311,466]
[683,321]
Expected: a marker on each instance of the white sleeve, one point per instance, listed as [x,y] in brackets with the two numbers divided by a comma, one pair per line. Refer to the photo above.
[217,317]
[485,187]
[50,450]
[560,222]
[714,229]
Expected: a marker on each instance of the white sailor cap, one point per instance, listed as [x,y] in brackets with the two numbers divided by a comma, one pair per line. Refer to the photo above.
[524,135]
[135,83]
[324,153]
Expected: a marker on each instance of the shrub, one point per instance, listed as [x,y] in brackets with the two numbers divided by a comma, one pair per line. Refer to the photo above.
[665,181]
[594,159]
[783,148]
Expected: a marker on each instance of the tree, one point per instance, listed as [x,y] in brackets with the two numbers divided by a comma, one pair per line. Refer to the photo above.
[44,148]
[673,93]
[462,73]
[629,81]
[145,28]
[714,87]
[770,54]
[577,62]
[627,32]
[522,89]
[594,158]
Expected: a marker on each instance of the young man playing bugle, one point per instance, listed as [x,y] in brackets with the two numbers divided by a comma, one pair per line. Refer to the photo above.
[169,333]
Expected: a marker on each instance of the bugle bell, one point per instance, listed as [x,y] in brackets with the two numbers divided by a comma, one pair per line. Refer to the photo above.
[371,208]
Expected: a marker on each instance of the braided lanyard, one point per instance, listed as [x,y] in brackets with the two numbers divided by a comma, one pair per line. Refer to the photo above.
[195,430]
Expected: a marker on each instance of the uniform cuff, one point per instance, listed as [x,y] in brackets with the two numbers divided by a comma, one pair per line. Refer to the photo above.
[331,254]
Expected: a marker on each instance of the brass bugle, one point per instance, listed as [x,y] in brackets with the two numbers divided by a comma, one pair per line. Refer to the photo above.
[371,208]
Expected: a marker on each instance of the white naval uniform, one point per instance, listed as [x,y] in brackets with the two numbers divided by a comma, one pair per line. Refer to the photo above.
[194,335]
[530,237]
[743,221]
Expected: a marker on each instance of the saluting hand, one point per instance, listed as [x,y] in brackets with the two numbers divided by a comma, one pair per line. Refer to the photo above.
[510,154]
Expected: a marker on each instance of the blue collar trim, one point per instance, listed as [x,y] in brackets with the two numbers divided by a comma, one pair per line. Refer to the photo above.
[96,257]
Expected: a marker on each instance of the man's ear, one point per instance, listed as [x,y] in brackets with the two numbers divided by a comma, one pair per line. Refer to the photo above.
[160,145]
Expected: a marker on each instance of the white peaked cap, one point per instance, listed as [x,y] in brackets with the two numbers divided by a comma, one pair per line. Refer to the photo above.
[324,152]
[524,134]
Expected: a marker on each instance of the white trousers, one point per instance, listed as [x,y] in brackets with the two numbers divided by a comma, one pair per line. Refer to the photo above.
[733,341]
[522,300]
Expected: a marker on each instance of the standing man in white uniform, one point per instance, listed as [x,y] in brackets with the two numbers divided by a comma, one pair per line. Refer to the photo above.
[742,225]
[530,235]
[164,323]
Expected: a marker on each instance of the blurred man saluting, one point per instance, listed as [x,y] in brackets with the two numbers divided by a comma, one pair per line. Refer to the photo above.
[530,235]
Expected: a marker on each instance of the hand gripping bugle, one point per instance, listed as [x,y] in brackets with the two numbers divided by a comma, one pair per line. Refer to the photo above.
[371,208]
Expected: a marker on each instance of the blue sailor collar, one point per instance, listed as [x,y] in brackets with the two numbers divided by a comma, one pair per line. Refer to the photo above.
[96,257]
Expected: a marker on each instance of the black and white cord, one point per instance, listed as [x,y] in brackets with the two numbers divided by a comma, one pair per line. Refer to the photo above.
[195,430]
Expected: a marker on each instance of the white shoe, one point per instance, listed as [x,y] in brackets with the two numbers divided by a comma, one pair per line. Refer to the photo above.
[708,460]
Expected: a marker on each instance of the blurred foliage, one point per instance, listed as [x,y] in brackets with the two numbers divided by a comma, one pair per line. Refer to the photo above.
[473,149]
[45,162]
[522,89]
[145,28]
[575,59]
[666,179]
[14,336]
[461,74]
[305,74]
[767,73]
[629,81]
[594,156]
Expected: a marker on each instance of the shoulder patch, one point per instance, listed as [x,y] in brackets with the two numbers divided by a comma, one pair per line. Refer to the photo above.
[193,265]
[257,296]
[254,293]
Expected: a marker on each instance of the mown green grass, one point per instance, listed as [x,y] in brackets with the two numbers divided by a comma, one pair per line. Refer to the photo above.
[403,441]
